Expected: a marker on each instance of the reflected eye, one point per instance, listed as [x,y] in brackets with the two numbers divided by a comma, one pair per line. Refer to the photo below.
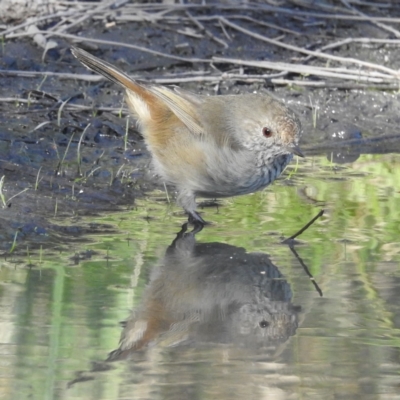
[263,324]
[266,132]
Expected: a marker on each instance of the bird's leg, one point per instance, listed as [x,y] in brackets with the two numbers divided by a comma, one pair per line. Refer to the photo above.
[187,200]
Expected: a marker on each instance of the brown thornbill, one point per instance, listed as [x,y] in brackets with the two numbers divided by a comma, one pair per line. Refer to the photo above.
[209,146]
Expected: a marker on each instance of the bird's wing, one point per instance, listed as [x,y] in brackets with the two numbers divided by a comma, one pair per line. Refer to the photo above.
[185,109]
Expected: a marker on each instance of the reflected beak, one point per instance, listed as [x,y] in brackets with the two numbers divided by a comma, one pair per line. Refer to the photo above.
[295,150]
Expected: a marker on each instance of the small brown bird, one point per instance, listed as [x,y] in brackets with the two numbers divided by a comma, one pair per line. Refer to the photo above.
[209,146]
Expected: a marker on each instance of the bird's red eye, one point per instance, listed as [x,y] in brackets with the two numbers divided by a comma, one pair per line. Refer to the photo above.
[267,132]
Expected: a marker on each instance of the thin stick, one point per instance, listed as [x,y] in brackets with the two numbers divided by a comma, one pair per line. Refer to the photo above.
[263,23]
[165,80]
[15,195]
[305,69]
[343,42]
[290,239]
[307,271]
[97,78]
[225,32]
[339,85]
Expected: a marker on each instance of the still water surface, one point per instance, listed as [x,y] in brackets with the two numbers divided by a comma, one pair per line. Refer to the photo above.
[228,313]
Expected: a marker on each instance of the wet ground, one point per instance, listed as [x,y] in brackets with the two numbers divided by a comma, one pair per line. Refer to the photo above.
[88,232]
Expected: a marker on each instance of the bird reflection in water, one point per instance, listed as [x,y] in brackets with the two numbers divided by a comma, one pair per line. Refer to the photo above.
[214,294]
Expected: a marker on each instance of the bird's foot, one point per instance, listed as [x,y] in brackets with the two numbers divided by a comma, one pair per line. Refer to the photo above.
[196,220]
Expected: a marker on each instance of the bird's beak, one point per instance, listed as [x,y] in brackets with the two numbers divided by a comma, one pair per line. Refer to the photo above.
[295,150]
